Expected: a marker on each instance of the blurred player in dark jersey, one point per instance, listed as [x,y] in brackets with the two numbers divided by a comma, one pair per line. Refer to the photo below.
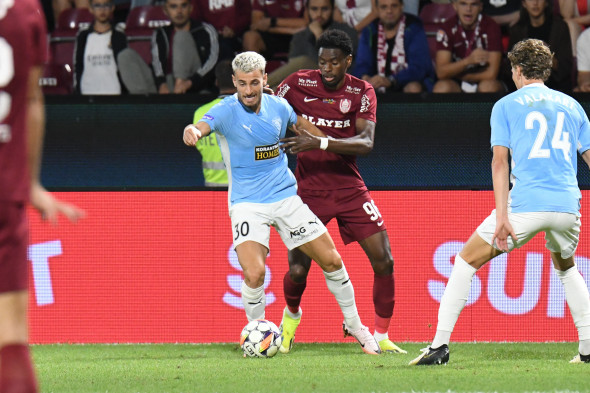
[329,182]
[23,50]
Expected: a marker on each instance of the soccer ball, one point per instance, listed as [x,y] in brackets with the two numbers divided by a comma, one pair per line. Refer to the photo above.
[260,338]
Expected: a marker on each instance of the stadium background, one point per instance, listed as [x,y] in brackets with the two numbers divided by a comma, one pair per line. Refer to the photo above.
[153,260]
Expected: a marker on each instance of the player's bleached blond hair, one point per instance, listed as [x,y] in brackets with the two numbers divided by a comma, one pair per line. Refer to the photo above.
[248,62]
[534,58]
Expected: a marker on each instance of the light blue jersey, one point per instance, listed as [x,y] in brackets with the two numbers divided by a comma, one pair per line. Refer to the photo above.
[249,142]
[543,128]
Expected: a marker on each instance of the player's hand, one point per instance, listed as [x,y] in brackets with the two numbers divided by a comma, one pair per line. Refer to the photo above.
[303,141]
[181,86]
[266,89]
[479,56]
[503,230]
[164,89]
[191,135]
[50,207]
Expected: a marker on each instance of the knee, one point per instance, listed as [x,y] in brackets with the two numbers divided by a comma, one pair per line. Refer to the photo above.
[298,272]
[413,87]
[490,86]
[446,86]
[382,266]
[254,276]
[332,262]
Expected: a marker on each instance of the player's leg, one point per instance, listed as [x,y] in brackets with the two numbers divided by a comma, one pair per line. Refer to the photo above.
[378,251]
[252,257]
[475,254]
[562,241]
[16,368]
[323,251]
[251,227]
[294,284]
[312,238]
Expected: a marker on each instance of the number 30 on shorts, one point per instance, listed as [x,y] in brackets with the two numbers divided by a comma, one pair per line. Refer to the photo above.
[241,229]
[372,210]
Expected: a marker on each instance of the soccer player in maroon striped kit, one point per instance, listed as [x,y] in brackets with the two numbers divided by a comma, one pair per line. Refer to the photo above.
[23,50]
[344,109]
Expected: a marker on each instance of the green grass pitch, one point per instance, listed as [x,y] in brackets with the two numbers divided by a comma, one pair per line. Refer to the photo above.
[481,367]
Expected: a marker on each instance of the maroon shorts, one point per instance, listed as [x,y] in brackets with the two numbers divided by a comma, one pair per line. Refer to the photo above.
[353,208]
[14,240]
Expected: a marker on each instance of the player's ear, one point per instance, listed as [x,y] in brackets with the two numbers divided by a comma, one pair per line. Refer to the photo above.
[265,79]
[233,78]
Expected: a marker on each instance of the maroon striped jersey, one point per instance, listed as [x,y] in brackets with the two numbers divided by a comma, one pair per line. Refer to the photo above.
[23,44]
[335,113]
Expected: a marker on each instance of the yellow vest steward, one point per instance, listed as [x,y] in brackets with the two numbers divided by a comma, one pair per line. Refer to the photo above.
[213,166]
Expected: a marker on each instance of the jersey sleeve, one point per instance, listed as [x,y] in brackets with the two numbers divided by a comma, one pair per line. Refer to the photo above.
[368,109]
[584,137]
[500,135]
[284,87]
[218,118]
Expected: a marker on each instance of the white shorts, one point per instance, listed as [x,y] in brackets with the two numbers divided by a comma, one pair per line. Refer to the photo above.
[293,220]
[562,230]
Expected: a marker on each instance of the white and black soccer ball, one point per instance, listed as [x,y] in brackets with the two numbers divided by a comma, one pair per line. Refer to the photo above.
[260,339]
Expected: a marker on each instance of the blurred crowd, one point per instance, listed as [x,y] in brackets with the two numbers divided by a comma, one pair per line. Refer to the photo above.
[111,47]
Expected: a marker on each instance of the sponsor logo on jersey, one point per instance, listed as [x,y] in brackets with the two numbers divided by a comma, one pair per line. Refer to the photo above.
[208,117]
[328,101]
[307,82]
[345,105]
[266,152]
[215,5]
[327,123]
[353,90]
[365,102]
[283,90]
[309,99]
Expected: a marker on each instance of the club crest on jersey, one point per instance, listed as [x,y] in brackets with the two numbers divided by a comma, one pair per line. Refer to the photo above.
[345,105]
[266,152]
[276,122]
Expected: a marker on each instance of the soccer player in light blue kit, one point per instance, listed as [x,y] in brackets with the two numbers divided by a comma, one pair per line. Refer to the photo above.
[542,129]
[262,190]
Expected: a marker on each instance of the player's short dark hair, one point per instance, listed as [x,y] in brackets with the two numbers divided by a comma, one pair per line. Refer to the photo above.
[335,39]
[400,1]
[223,73]
[534,58]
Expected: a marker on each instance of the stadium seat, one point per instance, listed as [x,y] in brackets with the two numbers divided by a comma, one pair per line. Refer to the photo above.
[433,15]
[436,13]
[139,26]
[57,79]
[61,50]
[70,21]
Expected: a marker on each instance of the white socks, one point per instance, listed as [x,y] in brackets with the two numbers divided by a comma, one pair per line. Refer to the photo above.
[339,284]
[254,301]
[578,300]
[453,300]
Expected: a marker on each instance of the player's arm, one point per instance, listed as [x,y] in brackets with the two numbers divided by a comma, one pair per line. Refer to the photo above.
[41,199]
[500,173]
[307,139]
[490,72]
[586,157]
[193,132]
